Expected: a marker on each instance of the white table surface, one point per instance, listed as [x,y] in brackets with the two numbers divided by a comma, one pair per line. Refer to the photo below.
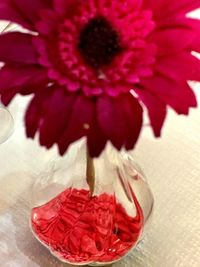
[172,165]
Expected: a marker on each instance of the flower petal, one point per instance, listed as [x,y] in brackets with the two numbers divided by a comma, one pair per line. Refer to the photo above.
[96,140]
[156,109]
[164,8]
[133,118]
[79,124]
[7,97]
[18,76]
[171,41]
[56,116]
[195,46]
[183,6]
[111,120]
[30,9]
[195,24]
[16,47]
[180,67]
[64,7]
[24,80]
[176,94]
[186,23]
[9,12]
[120,119]
[34,113]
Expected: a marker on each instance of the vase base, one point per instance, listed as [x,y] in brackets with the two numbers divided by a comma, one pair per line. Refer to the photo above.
[80,229]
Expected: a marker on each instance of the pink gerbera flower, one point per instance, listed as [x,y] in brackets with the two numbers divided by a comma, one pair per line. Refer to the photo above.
[90,64]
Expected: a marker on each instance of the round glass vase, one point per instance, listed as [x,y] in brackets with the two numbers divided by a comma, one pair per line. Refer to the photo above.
[91,211]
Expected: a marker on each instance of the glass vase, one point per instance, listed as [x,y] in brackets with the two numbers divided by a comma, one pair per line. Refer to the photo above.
[6,124]
[6,119]
[91,211]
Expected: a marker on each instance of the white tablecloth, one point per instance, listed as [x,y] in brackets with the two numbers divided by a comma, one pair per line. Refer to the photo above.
[172,165]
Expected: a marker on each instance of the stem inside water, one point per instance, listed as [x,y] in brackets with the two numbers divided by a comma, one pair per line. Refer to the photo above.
[90,173]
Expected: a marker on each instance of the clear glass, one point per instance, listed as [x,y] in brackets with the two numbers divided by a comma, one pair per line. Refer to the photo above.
[6,124]
[94,229]
[6,119]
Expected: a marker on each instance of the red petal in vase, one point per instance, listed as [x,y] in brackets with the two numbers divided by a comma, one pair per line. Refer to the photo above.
[79,228]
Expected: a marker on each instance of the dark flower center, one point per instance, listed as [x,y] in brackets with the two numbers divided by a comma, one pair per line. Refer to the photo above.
[99,42]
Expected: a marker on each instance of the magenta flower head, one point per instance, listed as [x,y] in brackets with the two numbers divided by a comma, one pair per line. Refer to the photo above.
[91,66]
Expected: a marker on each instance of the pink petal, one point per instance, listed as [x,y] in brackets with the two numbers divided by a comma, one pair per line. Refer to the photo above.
[36,111]
[176,22]
[36,83]
[180,67]
[9,12]
[156,109]
[17,47]
[184,23]
[170,41]
[56,116]
[13,76]
[31,9]
[133,117]
[168,8]
[120,119]
[24,80]
[183,6]
[195,46]
[195,24]
[111,120]
[48,23]
[96,140]
[33,115]
[7,97]
[79,123]
[176,94]
[64,7]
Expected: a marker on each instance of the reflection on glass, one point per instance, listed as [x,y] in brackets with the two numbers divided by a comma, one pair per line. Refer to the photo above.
[6,119]
[6,124]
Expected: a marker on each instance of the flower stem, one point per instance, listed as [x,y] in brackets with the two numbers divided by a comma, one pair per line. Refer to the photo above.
[7,27]
[90,173]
